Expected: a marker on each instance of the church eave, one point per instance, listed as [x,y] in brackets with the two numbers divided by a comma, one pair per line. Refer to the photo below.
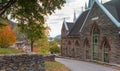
[66,27]
[108,14]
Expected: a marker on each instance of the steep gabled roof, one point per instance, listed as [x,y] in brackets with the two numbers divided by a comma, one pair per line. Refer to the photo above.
[8,22]
[111,10]
[65,24]
[70,25]
[116,5]
[78,24]
[113,17]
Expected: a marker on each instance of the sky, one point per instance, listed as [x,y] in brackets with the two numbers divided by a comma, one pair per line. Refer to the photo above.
[55,20]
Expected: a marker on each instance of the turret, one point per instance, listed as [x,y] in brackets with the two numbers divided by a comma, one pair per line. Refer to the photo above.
[86,7]
[74,18]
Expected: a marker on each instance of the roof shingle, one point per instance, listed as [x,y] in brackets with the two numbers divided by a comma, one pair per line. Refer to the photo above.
[78,24]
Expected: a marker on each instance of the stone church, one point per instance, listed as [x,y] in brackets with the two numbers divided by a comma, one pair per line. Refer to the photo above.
[95,34]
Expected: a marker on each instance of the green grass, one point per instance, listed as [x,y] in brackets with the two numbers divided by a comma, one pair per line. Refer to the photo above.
[9,51]
[55,66]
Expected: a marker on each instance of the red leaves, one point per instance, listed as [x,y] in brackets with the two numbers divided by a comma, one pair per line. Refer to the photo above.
[7,37]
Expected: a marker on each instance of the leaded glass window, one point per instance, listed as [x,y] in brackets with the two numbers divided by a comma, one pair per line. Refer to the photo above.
[106,52]
[87,49]
[95,43]
[77,48]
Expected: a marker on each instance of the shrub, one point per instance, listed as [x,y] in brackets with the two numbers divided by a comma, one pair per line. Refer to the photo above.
[55,49]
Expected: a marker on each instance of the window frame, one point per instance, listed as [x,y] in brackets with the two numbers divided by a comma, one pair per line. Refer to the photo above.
[95,43]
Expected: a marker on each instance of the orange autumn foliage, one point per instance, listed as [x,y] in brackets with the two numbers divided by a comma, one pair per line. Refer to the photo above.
[7,37]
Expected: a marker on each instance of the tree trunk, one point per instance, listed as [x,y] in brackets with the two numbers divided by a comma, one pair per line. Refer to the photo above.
[32,42]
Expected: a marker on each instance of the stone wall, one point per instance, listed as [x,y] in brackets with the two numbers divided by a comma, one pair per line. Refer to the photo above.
[107,32]
[22,62]
[50,58]
[106,29]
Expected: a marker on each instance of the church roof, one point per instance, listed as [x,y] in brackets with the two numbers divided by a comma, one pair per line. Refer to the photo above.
[65,24]
[8,22]
[112,10]
[69,24]
[116,5]
[78,24]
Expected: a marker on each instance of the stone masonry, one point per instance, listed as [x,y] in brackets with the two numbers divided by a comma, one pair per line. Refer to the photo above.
[81,46]
[22,62]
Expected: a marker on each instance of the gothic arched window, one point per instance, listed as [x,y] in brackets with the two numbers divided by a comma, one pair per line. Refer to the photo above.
[87,49]
[106,52]
[77,45]
[95,43]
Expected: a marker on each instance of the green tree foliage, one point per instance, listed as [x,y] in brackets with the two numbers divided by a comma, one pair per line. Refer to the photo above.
[30,15]
[54,46]
[3,22]
[54,49]
[43,42]
[43,45]
[47,47]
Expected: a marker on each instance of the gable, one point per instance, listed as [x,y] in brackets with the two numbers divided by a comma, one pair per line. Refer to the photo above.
[70,25]
[113,11]
[78,24]
[107,12]
[116,5]
[112,15]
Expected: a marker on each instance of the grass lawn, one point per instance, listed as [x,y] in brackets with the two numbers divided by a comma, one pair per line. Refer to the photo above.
[9,51]
[55,66]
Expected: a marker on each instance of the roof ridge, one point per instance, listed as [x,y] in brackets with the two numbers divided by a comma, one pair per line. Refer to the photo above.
[86,17]
[66,27]
[108,14]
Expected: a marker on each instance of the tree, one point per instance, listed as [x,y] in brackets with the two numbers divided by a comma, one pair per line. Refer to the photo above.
[33,32]
[19,35]
[48,6]
[5,4]
[55,49]
[54,46]
[7,37]
[3,22]
[31,14]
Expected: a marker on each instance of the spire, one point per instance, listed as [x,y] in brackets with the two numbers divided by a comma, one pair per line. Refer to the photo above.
[90,3]
[74,19]
[64,20]
[86,6]
[82,9]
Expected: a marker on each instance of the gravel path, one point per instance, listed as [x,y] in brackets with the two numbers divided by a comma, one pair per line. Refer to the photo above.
[75,65]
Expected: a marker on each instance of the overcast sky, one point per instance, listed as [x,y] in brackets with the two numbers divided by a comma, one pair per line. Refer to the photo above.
[55,21]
